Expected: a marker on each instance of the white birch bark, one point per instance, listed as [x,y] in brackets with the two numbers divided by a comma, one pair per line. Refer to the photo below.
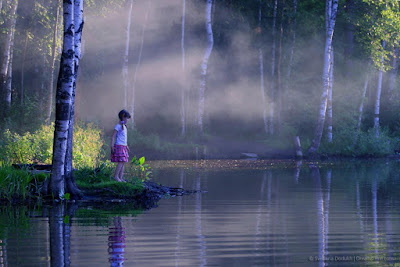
[126,56]
[52,67]
[6,58]
[393,73]
[290,65]
[63,102]
[360,109]
[132,109]
[324,96]
[272,82]
[378,96]
[204,66]
[8,83]
[329,108]
[182,111]
[71,186]
[261,62]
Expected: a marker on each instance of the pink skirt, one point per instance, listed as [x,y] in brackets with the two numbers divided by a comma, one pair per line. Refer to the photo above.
[120,154]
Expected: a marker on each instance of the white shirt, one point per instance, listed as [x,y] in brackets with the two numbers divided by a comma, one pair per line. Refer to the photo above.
[122,134]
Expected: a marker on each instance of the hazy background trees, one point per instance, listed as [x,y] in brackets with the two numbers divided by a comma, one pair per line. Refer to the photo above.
[277,46]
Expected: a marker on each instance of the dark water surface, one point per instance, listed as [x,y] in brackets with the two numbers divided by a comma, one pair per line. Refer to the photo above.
[253,214]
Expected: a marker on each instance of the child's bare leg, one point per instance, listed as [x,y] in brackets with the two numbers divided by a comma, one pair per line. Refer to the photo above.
[121,173]
[120,165]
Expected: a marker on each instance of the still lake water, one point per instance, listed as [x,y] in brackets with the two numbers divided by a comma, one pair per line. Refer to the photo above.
[261,213]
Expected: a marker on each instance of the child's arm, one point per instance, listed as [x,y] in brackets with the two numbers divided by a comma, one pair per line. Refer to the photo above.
[113,140]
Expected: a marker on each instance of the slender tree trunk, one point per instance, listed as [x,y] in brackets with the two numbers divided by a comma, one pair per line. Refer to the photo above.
[71,186]
[182,111]
[378,96]
[8,84]
[290,65]
[126,56]
[324,97]
[261,62]
[349,37]
[64,96]
[279,85]
[329,108]
[272,82]
[138,66]
[23,72]
[6,59]
[360,109]
[204,66]
[52,67]
[393,73]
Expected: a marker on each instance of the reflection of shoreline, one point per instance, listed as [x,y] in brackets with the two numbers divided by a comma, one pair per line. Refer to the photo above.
[116,243]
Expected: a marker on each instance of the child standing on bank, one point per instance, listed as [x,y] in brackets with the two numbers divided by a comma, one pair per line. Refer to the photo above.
[119,145]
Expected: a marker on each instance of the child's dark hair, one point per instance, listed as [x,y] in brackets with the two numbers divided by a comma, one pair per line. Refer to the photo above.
[123,113]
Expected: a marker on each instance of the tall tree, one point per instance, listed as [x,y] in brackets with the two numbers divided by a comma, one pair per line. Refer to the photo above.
[64,94]
[52,65]
[71,186]
[272,80]
[279,65]
[293,43]
[204,66]
[329,107]
[126,56]
[393,72]
[378,95]
[331,17]
[182,111]
[6,57]
[132,109]
[261,63]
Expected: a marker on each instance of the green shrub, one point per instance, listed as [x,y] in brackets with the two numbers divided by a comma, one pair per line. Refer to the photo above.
[38,147]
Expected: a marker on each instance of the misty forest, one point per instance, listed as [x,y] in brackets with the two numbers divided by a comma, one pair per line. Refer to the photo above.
[292,103]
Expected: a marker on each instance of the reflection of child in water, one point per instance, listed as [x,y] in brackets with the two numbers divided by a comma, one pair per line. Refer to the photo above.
[116,243]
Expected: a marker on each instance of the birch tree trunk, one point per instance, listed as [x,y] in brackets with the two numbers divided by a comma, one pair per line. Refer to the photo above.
[6,59]
[132,109]
[393,73]
[272,82]
[64,96]
[56,227]
[126,56]
[360,109]
[332,5]
[23,72]
[378,95]
[279,85]
[290,65]
[52,67]
[71,186]
[204,66]
[329,108]
[182,111]
[261,62]
[7,87]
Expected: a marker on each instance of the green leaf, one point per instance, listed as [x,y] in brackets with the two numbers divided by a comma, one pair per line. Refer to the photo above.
[141,160]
